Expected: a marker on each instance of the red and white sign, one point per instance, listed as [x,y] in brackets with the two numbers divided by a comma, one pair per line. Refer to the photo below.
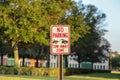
[60,39]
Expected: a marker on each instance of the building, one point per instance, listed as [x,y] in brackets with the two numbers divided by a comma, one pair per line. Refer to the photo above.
[27,62]
[104,65]
[5,60]
[53,61]
[72,63]
[32,62]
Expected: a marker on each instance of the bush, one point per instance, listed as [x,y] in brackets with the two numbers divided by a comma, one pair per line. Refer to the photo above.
[3,69]
[102,71]
[29,71]
[7,70]
[45,71]
[53,72]
[39,71]
[22,71]
[76,71]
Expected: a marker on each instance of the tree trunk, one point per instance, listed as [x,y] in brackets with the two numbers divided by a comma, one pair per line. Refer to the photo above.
[65,62]
[1,59]
[48,60]
[48,57]
[92,65]
[79,62]
[16,55]
[37,57]
[36,64]
[79,65]
[23,62]
[40,52]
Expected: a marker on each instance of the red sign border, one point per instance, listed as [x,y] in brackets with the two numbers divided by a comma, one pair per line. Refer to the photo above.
[52,36]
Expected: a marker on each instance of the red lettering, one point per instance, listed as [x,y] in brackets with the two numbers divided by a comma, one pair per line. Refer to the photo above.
[60,50]
[63,46]
[55,46]
[60,35]
[60,29]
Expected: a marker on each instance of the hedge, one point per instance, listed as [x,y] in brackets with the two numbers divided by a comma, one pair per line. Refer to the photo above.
[30,71]
[44,71]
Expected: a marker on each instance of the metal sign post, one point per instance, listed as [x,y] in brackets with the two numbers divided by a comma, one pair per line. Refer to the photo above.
[59,67]
[60,43]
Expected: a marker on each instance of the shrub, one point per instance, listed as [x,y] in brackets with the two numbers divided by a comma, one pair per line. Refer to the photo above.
[3,69]
[75,71]
[102,71]
[23,70]
[44,71]
[53,72]
[39,71]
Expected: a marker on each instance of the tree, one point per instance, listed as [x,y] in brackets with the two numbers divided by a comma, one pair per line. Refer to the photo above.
[115,60]
[89,48]
[5,49]
[28,21]
[24,52]
[79,28]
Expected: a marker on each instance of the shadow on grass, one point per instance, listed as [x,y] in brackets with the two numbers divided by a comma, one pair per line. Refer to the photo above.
[106,76]
[39,77]
[103,75]
[31,77]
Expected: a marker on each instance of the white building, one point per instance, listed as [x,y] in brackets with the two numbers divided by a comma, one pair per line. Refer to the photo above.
[72,63]
[104,65]
[53,61]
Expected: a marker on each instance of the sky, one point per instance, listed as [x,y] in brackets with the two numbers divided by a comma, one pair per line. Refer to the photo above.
[112,10]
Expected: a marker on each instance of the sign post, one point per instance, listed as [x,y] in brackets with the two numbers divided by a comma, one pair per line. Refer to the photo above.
[59,67]
[60,43]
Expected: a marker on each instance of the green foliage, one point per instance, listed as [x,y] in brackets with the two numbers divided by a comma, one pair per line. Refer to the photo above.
[90,46]
[76,21]
[4,47]
[29,21]
[31,71]
[6,70]
[26,21]
[40,71]
[116,62]
[102,71]
[73,71]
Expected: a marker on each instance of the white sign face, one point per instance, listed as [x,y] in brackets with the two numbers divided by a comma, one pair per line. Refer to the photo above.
[60,39]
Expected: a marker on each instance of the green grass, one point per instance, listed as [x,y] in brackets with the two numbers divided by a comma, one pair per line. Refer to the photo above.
[16,77]
[92,76]
[98,76]
[105,75]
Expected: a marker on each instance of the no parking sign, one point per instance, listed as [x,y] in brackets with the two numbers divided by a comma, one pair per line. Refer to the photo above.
[60,39]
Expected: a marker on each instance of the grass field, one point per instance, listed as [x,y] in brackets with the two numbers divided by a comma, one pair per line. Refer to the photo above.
[93,76]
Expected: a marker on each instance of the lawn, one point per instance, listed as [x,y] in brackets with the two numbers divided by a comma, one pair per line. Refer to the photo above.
[92,76]
[16,77]
[98,76]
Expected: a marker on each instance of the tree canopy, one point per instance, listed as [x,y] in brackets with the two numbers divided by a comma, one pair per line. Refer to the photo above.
[92,47]
[29,21]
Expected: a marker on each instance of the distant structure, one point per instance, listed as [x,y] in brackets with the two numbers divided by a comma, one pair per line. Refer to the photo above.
[5,60]
[104,65]
[72,63]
